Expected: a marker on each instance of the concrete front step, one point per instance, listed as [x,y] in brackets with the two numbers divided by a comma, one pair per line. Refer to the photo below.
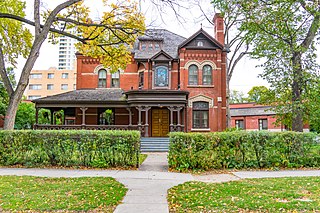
[154,144]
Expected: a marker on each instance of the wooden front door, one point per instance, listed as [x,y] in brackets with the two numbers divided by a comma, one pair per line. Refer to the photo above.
[160,122]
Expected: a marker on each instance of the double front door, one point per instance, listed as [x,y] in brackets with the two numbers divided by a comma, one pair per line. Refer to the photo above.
[160,122]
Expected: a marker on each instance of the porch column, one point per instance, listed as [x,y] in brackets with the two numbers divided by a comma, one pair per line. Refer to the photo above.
[83,109]
[146,109]
[178,115]
[37,115]
[139,113]
[171,118]
[130,116]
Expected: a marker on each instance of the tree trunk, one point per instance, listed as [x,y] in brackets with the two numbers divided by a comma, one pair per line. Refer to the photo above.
[11,112]
[297,111]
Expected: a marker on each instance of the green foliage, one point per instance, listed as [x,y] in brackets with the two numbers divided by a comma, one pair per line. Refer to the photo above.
[15,38]
[294,194]
[259,94]
[284,34]
[40,194]
[101,149]
[25,117]
[241,149]
[237,97]
[4,98]
[108,116]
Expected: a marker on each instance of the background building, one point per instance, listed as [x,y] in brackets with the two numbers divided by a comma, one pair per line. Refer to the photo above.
[67,51]
[49,82]
[251,116]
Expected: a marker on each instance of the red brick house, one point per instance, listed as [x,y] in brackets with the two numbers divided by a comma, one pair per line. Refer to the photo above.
[172,84]
[251,116]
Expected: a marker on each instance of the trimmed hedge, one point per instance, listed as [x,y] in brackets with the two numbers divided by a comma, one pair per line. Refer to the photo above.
[241,149]
[70,148]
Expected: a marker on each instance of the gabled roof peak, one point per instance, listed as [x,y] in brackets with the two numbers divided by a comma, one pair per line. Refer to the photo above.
[207,35]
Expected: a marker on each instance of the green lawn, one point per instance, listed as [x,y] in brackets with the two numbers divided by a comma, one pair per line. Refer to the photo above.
[142,158]
[53,194]
[251,195]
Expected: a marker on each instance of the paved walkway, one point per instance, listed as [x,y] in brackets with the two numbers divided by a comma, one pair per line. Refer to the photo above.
[148,186]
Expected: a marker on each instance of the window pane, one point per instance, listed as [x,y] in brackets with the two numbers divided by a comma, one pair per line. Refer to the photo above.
[200,105]
[263,124]
[102,83]
[102,74]
[239,124]
[115,75]
[49,86]
[193,75]
[207,75]
[161,77]
[196,119]
[64,86]
[150,47]
[141,79]
[65,75]
[115,83]
[204,119]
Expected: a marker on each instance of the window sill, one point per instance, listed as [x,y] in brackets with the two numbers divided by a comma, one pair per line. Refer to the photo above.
[200,86]
[200,130]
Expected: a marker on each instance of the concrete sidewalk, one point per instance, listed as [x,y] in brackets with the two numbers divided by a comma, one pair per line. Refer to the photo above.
[147,187]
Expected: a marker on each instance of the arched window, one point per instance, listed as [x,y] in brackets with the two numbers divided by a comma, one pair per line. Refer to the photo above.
[102,78]
[115,80]
[161,77]
[207,75]
[193,75]
[200,115]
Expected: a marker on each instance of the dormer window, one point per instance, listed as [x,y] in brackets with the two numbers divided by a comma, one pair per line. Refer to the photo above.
[150,47]
[157,46]
[199,43]
[143,46]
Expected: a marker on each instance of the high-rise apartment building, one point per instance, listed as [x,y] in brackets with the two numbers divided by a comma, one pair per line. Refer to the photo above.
[49,82]
[67,51]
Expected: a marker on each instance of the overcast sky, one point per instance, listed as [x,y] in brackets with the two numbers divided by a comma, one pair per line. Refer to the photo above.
[245,75]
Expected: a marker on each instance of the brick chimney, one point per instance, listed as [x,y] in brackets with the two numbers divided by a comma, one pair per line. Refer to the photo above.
[218,28]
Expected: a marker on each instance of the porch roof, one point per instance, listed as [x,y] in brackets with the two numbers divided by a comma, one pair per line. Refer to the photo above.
[157,97]
[85,96]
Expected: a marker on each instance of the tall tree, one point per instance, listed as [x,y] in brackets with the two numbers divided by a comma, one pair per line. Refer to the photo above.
[237,97]
[283,32]
[259,94]
[108,39]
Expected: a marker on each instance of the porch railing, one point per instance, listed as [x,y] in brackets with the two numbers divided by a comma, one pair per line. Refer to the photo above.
[177,128]
[89,127]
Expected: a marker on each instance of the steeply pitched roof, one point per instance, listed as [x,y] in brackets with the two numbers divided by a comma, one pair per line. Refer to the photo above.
[170,42]
[252,111]
[199,32]
[86,96]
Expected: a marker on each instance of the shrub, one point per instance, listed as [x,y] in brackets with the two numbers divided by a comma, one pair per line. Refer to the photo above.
[70,148]
[241,149]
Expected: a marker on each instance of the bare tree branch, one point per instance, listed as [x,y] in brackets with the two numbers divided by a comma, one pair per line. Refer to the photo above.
[37,29]
[4,76]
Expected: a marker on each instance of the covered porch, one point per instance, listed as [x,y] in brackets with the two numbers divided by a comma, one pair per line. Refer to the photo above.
[153,113]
